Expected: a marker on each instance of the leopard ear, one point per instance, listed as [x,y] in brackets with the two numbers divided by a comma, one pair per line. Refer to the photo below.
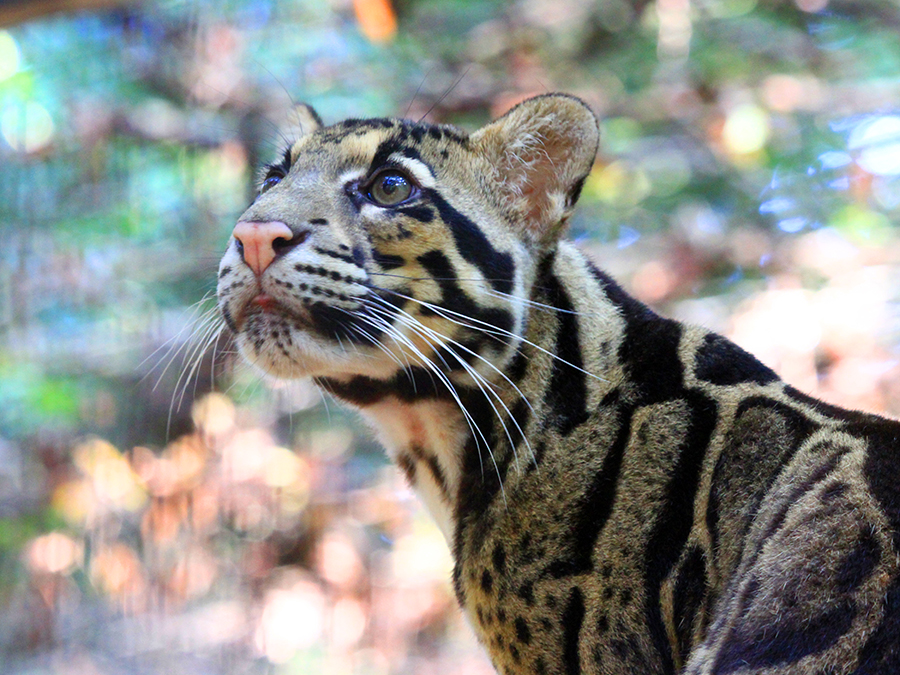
[541,150]
[302,120]
[305,120]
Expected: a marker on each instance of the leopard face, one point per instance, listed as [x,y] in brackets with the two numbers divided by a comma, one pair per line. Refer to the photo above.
[380,246]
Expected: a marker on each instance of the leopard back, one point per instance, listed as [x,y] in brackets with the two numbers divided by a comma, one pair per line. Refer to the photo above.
[621,492]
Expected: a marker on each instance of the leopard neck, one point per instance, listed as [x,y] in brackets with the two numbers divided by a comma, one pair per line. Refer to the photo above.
[469,445]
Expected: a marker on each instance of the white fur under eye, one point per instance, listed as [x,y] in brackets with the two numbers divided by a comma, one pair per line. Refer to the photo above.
[418,170]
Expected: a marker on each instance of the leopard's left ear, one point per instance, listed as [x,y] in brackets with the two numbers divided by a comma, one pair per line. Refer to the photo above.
[302,121]
[542,151]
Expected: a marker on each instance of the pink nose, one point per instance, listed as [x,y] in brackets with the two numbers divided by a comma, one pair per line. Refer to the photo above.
[258,241]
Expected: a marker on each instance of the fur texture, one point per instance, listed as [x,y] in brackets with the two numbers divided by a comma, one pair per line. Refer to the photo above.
[622,493]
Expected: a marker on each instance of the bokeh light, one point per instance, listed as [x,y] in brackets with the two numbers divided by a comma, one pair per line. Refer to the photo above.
[9,55]
[162,508]
[293,618]
[877,144]
[26,127]
[746,129]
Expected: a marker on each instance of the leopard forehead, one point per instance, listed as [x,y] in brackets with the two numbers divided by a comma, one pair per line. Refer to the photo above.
[374,141]
[326,165]
[457,195]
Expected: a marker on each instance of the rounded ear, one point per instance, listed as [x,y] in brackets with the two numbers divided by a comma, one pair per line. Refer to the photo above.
[542,150]
[301,121]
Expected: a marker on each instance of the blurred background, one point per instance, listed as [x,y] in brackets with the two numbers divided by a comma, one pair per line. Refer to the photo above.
[162,510]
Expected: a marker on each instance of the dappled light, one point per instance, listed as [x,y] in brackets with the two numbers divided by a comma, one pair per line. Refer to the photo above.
[165,507]
[154,532]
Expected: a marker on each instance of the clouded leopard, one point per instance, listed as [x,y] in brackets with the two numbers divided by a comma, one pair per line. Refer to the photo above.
[622,493]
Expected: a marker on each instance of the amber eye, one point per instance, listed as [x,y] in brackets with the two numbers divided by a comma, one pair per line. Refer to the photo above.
[390,188]
[270,182]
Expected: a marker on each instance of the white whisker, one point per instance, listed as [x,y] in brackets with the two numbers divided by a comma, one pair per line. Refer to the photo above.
[490,329]
[434,339]
[196,324]
[477,433]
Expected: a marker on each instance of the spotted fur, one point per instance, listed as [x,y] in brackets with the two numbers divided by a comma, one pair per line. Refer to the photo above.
[622,493]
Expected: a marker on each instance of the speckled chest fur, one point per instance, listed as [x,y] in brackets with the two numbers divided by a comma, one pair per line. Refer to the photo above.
[622,493]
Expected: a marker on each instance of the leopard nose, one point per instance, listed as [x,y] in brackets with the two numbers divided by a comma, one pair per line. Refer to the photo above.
[260,242]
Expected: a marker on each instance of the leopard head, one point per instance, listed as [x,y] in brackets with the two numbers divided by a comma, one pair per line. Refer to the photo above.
[383,246]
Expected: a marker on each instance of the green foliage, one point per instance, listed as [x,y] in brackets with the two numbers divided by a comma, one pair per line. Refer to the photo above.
[734,133]
[129,138]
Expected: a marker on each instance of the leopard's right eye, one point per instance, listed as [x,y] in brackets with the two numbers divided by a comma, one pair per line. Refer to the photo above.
[270,182]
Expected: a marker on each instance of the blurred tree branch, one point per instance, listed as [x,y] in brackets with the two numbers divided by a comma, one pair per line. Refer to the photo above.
[17,11]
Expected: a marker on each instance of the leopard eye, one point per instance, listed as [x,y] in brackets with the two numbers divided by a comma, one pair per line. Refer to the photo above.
[390,188]
[270,182]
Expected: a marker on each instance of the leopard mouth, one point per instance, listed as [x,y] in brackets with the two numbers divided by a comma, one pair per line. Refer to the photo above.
[266,303]
[288,342]
[263,309]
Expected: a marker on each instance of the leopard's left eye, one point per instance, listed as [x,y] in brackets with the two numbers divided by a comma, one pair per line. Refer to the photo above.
[389,188]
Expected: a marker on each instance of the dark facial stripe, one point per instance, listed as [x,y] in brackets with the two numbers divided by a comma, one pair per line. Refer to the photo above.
[434,467]
[473,245]
[575,192]
[229,320]
[453,134]
[484,466]
[356,127]
[456,357]
[395,145]
[408,465]
[408,385]
[387,261]
[520,415]
[456,578]
[364,326]
[517,367]
[454,299]
[284,166]
[340,325]
[566,396]
[325,273]
[478,486]
[335,254]
[420,212]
